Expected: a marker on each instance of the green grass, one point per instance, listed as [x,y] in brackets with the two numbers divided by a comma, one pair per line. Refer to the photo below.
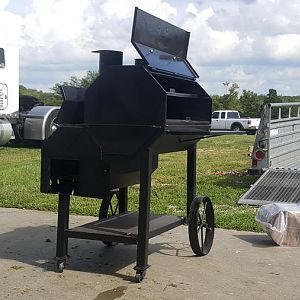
[20,177]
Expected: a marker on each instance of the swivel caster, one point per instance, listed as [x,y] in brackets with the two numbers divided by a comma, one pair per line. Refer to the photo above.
[139,276]
[60,267]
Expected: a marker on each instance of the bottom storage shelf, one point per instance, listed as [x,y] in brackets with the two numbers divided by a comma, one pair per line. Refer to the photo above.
[123,228]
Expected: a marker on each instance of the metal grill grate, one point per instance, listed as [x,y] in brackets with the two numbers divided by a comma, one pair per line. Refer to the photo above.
[274,186]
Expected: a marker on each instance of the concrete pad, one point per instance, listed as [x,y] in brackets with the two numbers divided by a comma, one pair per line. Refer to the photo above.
[241,265]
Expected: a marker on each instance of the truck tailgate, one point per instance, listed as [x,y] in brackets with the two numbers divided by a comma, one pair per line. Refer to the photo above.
[274,186]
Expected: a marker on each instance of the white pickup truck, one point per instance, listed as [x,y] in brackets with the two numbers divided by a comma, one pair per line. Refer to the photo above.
[231,120]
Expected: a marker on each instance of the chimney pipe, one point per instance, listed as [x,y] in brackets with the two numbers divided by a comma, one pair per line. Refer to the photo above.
[109,58]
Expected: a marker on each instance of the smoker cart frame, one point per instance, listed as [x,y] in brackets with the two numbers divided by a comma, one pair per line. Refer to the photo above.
[139,227]
[110,135]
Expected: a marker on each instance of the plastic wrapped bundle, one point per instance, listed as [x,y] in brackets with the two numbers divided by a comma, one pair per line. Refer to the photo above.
[281,222]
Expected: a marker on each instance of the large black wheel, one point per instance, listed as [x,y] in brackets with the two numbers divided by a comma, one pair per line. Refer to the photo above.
[201,225]
[109,207]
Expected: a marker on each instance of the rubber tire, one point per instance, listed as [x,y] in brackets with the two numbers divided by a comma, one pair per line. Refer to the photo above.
[237,127]
[139,276]
[103,214]
[104,207]
[60,267]
[49,122]
[208,235]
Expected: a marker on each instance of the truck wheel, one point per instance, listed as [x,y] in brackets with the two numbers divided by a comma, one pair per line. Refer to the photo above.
[237,127]
[51,126]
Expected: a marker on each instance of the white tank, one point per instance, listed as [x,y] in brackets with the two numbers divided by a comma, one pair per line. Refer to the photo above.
[6,132]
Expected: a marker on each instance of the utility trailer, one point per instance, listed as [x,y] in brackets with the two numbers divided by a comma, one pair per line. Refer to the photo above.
[276,156]
[24,117]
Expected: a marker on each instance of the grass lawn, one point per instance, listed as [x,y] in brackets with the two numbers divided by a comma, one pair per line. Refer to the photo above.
[222,163]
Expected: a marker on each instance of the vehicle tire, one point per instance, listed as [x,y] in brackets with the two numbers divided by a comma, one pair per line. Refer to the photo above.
[51,126]
[18,132]
[201,216]
[237,127]
[108,208]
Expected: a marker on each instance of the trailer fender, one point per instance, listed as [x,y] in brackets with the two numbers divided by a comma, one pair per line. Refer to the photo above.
[40,122]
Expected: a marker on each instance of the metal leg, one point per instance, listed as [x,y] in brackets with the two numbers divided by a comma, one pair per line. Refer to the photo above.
[191,176]
[144,215]
[62,225]
[67,201]
[123,199]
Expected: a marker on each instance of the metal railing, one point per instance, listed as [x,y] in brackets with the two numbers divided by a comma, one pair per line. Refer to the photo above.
[284,135]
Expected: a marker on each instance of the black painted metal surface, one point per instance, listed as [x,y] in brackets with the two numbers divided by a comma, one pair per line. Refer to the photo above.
[162,45]
[105,128]
[123,228]
[111,134]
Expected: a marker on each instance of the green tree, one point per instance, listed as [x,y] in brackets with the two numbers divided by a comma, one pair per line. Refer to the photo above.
[83,82]
[273,97]
[234,97]
[251,104]
[231,99]
[46,97]
[217,102]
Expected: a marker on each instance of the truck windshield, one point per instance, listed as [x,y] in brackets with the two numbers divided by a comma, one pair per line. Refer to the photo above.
[2,59]
[233,115]
[215,115]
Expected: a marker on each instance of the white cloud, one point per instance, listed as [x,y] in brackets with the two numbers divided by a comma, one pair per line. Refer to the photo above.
[4,3]
[255,43]
[58,37]
[52,21]
[10,27]
[284,47]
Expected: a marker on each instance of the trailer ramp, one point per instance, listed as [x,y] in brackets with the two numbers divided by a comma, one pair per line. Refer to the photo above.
[274,186]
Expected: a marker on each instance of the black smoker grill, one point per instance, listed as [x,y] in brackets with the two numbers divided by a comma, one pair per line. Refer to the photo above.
[110,136]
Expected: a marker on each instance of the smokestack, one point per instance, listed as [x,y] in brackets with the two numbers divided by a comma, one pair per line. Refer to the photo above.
[109,58]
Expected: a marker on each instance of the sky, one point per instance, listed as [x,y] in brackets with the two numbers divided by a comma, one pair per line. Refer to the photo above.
[255,43]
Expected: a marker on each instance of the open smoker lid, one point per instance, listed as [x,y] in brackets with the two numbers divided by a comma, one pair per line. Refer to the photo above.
[162,45]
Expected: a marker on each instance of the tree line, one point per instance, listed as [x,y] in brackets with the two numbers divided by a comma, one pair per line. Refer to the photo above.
[248,103]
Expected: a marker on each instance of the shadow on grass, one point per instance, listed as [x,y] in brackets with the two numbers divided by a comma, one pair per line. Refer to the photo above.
[24,144]
[257,240]
[36,246]
[233,181]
